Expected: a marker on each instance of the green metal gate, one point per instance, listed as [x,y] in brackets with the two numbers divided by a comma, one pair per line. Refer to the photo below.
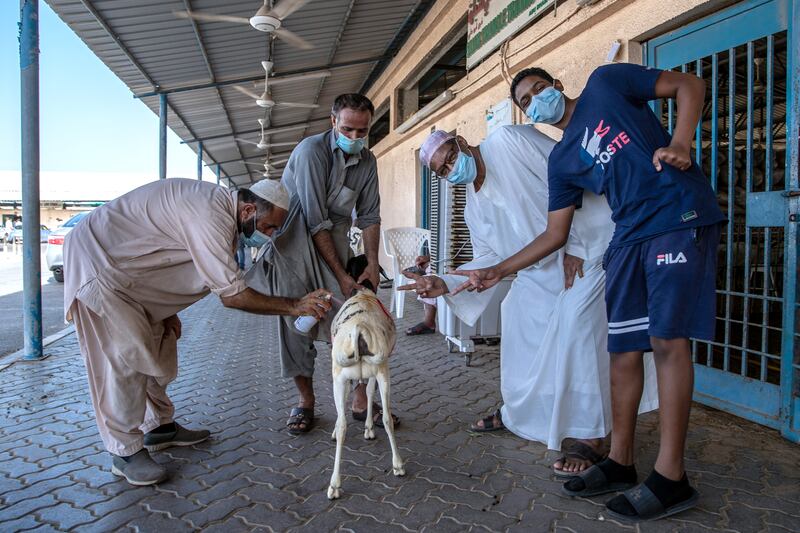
[747,143]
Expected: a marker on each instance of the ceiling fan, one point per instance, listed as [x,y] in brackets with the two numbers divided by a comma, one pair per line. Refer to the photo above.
[265,99]
[265,19]
[262,145]
[268,165]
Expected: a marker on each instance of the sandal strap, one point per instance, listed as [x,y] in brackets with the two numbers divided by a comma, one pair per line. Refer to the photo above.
[644,501]
[593,478]
[581,450]
[300,415]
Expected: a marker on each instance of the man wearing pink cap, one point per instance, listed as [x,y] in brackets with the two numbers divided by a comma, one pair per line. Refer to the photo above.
[554,363]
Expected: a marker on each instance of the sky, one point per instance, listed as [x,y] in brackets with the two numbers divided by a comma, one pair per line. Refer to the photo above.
[89,120]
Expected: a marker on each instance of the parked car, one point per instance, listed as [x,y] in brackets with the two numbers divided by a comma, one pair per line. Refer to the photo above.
[16,235]
[55,246]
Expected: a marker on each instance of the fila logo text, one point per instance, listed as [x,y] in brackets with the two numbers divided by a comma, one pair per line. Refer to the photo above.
[669,259]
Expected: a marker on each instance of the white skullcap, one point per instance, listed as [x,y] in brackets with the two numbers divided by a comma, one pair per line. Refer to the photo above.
[435,140]
[271,191]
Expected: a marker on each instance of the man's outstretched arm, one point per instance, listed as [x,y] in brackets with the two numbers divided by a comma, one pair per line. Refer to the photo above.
[553,238]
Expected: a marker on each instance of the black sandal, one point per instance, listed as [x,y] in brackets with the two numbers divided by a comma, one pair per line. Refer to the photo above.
[488,424]
[300,416]
[577,450]
[420,329]
[649,507]
[595,483]
[377,416]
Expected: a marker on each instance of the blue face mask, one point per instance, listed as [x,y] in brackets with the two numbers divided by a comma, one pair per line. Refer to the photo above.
[465,169]
[547,107]
[256,239]
[348,145]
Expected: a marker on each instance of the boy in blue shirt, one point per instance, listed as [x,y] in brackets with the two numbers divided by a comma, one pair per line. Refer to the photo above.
[661,262]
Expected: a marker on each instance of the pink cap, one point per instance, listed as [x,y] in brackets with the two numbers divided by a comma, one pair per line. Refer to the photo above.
[431,144]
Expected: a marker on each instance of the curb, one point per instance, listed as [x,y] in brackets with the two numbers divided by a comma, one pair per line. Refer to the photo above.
[16,357]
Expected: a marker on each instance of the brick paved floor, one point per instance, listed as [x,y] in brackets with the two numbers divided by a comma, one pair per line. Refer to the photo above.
[252,475]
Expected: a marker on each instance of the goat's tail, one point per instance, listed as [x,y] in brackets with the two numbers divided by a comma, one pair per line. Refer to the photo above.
[345,349]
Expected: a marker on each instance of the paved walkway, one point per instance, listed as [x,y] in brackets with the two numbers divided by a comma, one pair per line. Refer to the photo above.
[54,474]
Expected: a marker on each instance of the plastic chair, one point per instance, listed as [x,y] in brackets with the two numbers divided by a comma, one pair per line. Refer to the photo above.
[402,245]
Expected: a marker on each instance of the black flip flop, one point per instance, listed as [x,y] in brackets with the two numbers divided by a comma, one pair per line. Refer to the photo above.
[298,416]
[377,415]
[420,329]
[577,450]
[596,483]
[488,424]
[649,507]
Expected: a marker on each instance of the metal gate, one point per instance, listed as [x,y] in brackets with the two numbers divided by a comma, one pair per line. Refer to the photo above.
[748,56]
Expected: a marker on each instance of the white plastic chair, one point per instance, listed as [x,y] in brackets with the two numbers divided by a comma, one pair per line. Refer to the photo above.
[402,245]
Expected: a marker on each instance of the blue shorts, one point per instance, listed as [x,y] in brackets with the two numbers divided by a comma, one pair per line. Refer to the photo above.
[663,287]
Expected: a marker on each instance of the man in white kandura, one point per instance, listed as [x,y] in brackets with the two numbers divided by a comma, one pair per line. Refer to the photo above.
[554,365]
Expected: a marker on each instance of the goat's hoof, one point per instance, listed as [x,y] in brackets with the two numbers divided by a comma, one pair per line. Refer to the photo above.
[398,471]
[369,433]
[333,493]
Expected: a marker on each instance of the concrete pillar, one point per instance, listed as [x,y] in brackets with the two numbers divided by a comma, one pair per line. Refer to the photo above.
[31,248]
[162,136]
[200,161]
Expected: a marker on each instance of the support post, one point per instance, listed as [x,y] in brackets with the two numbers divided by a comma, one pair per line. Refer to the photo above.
[200,161]
[31,248]
[162,136]
[218,172]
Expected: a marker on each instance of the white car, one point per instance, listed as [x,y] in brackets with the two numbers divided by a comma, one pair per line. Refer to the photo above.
[55,246]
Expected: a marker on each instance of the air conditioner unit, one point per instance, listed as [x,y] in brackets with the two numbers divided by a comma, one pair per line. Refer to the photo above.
[450,247]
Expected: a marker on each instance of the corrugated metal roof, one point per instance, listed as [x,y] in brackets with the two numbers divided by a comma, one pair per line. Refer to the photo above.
[150,50]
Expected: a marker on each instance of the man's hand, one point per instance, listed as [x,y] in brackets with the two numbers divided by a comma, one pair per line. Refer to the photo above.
[425,286]
[172,324]
[676,155]
[572,265]
[422,261]
[480,279]
[315,304]
[371,274]
[347,285]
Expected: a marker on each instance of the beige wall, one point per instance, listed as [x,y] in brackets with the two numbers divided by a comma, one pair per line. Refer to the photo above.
[52,218]
[570,45]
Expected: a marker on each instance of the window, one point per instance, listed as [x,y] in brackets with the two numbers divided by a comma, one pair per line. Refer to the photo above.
[443,74]
[380,125]
[444,67]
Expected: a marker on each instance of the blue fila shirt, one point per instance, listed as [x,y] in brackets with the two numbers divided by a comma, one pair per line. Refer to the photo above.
[608,148]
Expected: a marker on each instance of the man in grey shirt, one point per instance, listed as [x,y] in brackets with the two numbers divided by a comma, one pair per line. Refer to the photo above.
[328,176]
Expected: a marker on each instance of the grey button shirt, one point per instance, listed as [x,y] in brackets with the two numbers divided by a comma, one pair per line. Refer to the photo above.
[328,187]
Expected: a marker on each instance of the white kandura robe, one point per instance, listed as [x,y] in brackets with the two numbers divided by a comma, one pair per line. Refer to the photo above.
[554,363]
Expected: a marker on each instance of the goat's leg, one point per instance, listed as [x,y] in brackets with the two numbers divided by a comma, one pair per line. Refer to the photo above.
[388,422]
[340,399]
[369,423]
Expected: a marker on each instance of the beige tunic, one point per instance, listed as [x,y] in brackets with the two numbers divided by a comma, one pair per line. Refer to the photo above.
[129,265]
[163,245]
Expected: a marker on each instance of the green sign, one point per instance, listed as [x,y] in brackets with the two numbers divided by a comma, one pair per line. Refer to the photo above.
[490,22]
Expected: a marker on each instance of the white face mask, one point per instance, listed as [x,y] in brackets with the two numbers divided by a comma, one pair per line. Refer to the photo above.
[547,107]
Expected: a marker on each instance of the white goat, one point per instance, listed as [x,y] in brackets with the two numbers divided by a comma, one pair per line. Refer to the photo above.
[363,337]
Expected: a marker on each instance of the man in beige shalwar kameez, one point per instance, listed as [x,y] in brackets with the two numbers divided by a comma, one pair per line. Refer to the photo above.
[130,266]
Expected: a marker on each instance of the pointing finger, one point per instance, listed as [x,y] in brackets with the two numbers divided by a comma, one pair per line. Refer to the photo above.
[409,287]
[466,285]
